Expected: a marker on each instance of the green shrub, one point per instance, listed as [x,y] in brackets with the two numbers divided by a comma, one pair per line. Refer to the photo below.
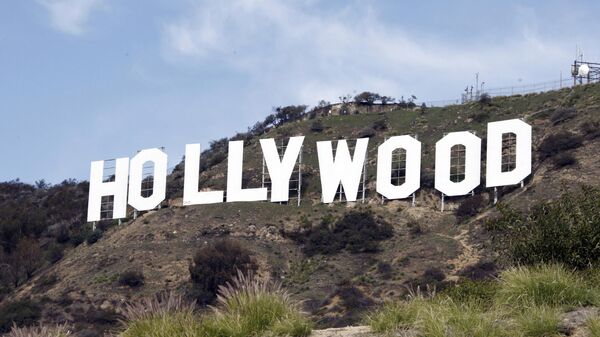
[131,278]
[561,115]
[483,270]
[564,159]
[590,130]
[565,231]
[431,279]
[559,142]
[480,117]
[544,285]
[356,231]
[216,264]
[470,206]
[94,237]
[18,314]
[350,301]
[379,125]
[54,252]
[485,99]
[367,133]
[316,126]
[415,229]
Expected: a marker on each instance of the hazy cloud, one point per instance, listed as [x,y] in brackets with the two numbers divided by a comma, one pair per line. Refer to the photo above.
[70,16]
[316,55]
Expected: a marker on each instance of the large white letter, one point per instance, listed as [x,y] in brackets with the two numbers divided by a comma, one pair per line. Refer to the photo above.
[99,189]
[234,176]
[280,170]
[413,167]
[443,148]
[159,176]
[494,175]
[343,169]
[191,196]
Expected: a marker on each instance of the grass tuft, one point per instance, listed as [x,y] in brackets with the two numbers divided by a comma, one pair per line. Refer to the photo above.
[523,302]
[254,306]
[550,285]
[249,306]
[539,321]
[593,327]
[39,331]
[161,316]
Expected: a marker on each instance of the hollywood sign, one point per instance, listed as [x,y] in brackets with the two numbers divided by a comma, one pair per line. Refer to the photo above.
[342,169]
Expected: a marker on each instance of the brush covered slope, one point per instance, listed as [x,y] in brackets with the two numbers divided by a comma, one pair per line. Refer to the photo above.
[342,259]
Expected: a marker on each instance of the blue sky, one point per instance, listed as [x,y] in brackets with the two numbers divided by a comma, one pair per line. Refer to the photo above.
[84,80]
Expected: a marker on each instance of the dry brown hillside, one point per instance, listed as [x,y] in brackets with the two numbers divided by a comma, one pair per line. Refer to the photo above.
[426,246]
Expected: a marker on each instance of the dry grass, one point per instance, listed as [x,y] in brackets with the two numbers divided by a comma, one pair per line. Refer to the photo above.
[40,331]
[159,305]
[248,306]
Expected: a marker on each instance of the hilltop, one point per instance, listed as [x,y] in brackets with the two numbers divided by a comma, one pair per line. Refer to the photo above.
[425,246]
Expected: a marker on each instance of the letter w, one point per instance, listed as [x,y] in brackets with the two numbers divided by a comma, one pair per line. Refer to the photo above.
[343,169]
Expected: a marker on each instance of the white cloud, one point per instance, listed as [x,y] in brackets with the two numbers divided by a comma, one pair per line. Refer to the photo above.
[70,16]
[290,51]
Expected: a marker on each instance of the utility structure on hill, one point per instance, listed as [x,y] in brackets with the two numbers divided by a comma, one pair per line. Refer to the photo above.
[583,71]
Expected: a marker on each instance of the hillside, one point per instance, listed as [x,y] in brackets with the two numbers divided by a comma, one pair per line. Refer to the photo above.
[426,246]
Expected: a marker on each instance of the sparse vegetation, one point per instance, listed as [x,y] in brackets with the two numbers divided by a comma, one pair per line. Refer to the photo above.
[468,291]
[366,133]
[470,206]
[557,143]
[249,306]
[544,285]
[564,159]
[480,117]
[415,229]
[132,278]
[316,126]
[525,302]
[539,321]
[49,221]
[379,125]
[590,130]
[593,326]
[562,115]
[40,331]
[432,279]
[483,270]
[18,314]
[94,237]
[485,99]
[216,264]
[161,316]
[367,98]
[566,231]
[356,232]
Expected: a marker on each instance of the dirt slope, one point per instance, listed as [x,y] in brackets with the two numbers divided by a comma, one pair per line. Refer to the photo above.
[82,286]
